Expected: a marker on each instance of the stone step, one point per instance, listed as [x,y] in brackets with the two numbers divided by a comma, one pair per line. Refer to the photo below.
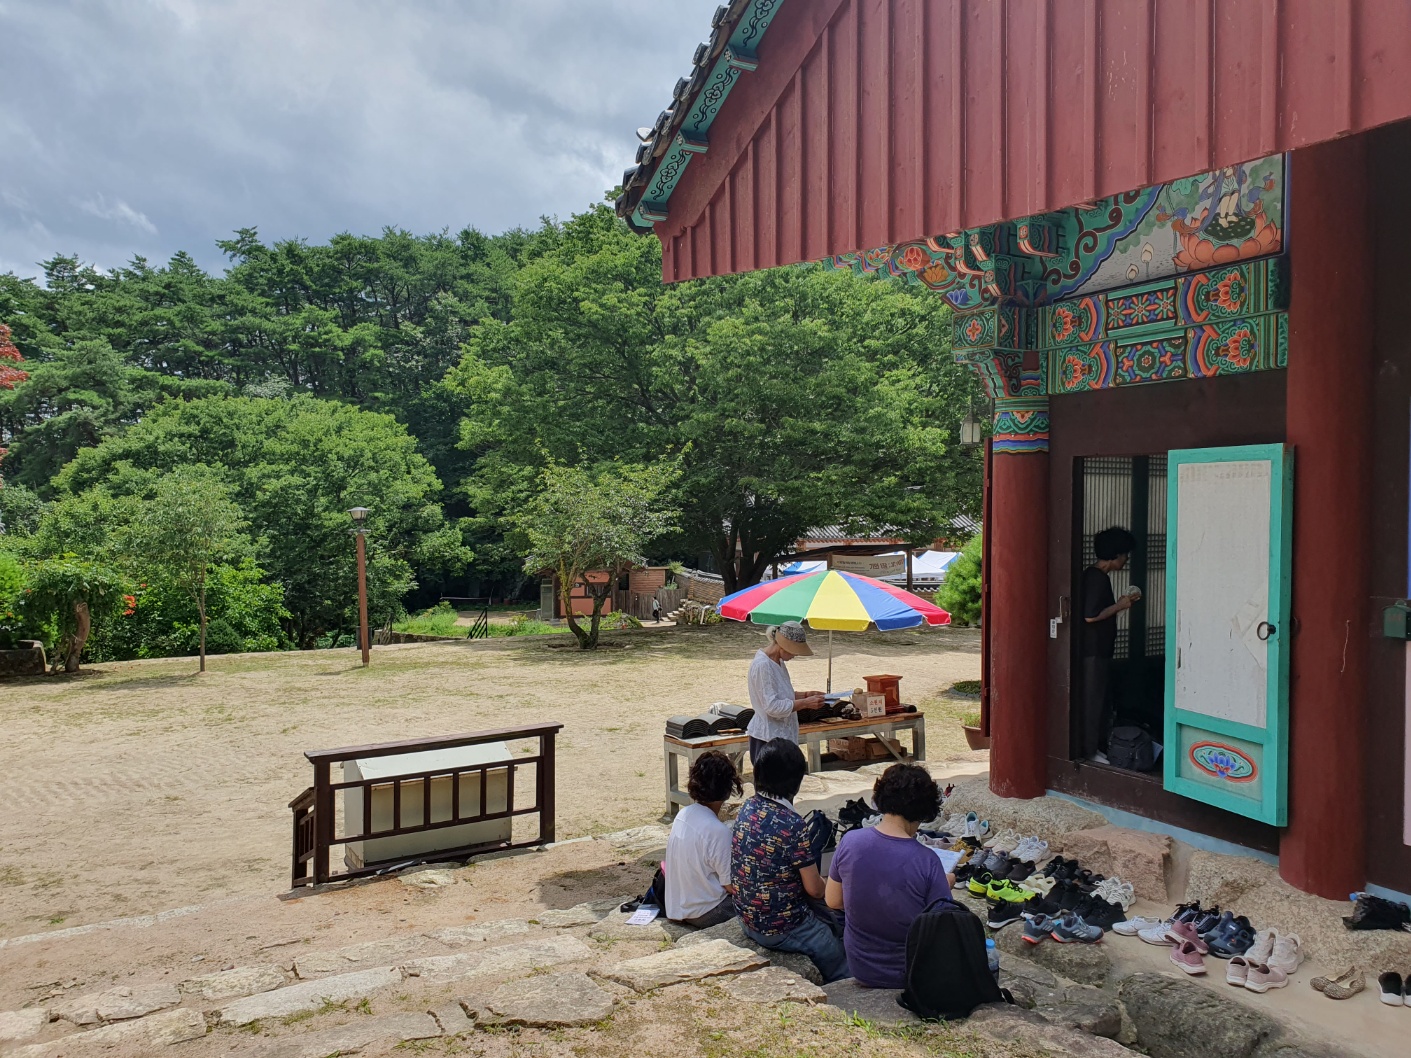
[691,963]
[140,1036]
[356,1036]
[551,1001]
[308,995]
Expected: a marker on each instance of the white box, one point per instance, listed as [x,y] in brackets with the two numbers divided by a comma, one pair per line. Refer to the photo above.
[412,846]
[872,703]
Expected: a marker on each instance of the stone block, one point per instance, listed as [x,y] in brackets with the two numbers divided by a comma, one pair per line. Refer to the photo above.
[452,1018]
[479,932]
[27,661]
[1083,1007]
[1048,817]
[733,931]
[773,984]
[355,956]
[17,1025]
[232,984]
[552,1001]
[1180,1019]
[504,961]
[308,995]
[429,880]
[356,1035]
[639,840]
[878,1006]
[1218,879]
[1025,1032]
[1086,964]
[1132,855]
[691,963]
[614,927]
[118,1004]
[136,1037]
[579,915]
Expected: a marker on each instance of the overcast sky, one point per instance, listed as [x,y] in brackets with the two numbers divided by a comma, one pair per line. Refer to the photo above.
[148,126]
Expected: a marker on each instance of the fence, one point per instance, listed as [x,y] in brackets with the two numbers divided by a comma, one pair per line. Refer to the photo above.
[315,811]
[639,603]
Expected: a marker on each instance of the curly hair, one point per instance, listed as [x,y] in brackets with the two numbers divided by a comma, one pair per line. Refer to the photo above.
[907,790]
[713,778]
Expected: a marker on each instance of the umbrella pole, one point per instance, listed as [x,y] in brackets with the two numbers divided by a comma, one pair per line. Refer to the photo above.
[830,661]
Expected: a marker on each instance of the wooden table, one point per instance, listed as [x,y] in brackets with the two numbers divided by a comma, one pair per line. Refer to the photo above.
[811,738]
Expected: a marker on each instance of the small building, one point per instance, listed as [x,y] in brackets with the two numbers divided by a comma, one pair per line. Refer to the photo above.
[1173,237]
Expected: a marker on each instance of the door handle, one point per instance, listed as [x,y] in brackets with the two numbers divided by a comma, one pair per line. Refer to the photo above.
[1266,631]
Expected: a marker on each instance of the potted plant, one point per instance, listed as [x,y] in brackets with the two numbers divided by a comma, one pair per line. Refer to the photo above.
[974,736]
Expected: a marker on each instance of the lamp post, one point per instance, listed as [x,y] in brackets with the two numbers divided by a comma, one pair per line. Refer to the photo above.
[359,516]
[970,429]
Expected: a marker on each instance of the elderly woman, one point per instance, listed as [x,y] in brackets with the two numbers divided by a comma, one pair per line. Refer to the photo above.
[882,877]
[775,703]
[699,889]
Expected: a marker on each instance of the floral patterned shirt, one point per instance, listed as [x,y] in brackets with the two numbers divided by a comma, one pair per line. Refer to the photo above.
[770,844]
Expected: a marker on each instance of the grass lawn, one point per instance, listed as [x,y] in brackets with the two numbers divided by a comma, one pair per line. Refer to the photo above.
[139,786]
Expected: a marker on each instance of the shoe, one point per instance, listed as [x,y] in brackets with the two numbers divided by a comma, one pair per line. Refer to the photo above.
[1237,973]
[1116,891]
[1372,912]
[1087,880]
[1320,983]
[1006,839]
[1346,985]
[1002,913]
[1038,883]
[979,883]
[1393,989]
[1263,947]
[854,811]
[1031,850]
[1185,956]
[1132,926]
[1004,889]
[1288,953]
[1207,930]
[1103,913]
[1158,934]
[1037,928]
[1067,895]
[1071,929]
[1018,870]
[1236,941]
[1206,920]
[1264,977]
[1184,933]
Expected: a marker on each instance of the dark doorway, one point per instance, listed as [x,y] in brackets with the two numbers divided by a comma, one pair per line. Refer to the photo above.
[1126,491]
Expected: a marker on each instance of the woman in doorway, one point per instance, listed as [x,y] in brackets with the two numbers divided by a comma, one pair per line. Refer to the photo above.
[775,703]
[699,891]
[1112,547]
[882,877]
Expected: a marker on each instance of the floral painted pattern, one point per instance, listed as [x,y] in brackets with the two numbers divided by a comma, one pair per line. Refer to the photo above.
[1230,292]
[1062,325]
[769,845]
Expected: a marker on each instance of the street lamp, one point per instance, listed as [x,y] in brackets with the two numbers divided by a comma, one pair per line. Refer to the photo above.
[970,431]
[359,516]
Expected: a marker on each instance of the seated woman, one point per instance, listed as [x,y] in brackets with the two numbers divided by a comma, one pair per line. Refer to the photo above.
[882,877]
[698,889]
[775,855]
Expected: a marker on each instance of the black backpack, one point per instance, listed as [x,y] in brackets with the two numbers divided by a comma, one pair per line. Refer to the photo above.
[1131,748]
[947,970]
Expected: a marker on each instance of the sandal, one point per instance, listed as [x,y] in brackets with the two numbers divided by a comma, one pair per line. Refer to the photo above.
[1343,986]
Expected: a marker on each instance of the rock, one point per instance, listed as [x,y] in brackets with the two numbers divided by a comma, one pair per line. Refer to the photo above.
[614,927]
[308,995]
[504,961]
[1180,1019]
[1132,855]
[1084,1008]
[16,1025]
[733,931]
[232,984]
[1020,968]
[553,1001]
[691,963]
[773,984]
[478,932]
[1085,963]
[579,915]
[1046,816]
[638,839]
[1030,1033]
[118,1004]
[877,1006]
[1304,1050]
[356,1035]
[355,956]
[452,1019]
[1223,880]
[140,1035]
[429,879]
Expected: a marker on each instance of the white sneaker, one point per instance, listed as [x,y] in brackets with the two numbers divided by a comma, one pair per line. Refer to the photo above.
[1158,934]
[1005,839]
[1262,948]
[1116,891]
[1132,926]
[1031,850]
[1288,953]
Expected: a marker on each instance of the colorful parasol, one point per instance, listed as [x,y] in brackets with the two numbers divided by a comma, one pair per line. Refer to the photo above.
[832,600]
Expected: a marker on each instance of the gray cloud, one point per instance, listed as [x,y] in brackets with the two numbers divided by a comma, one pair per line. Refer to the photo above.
[151,126]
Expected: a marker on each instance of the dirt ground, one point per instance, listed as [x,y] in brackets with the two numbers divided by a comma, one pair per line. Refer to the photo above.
[138,787]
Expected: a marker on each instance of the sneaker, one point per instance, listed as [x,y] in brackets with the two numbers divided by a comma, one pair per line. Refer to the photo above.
[1031,850]
[1184,933]
[1263,946]
[1393,990]
[1005,839]
[1116,891]
[1103,913]
[1038,883]
[1263,977]
[1232,942]
[1132,926]
[1288,953]
[1004,889]
[1071,929]
[1067,895]
[1185,956]
[1187,912]
[1237,973]
[1206,920]
[979,882]
[1158,934]
[1207,929]
[1018,870]
[1037,928]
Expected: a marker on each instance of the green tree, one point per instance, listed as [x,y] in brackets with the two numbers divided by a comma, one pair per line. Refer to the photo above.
[188,526]
[588,527]
[69,595]
[961,590]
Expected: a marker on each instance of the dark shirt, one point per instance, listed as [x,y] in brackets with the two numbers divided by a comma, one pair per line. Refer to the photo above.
[769,845]
[1099,637]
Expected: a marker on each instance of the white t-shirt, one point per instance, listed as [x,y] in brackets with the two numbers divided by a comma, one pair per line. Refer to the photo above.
[772,699]
[697,862]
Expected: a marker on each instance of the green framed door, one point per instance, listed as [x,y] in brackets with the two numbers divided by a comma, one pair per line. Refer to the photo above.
[1228,551]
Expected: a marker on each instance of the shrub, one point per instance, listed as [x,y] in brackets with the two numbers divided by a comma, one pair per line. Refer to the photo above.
[971,719]
[439,620]
[960,591]
[11,588]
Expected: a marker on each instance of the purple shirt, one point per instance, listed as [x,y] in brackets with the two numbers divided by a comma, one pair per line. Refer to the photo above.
[886,883]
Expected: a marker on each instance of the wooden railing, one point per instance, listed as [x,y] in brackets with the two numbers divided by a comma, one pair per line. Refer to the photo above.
[315,810]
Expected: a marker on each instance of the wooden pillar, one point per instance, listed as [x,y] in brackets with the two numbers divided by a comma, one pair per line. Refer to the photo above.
[1330,376]
[1017,541]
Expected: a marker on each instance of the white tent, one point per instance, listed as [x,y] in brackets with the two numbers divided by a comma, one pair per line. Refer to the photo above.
[929,567]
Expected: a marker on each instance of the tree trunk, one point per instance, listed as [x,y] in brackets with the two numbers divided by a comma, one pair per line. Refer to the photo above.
[83,623]
[566,598]
[597,617]
[201,610]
